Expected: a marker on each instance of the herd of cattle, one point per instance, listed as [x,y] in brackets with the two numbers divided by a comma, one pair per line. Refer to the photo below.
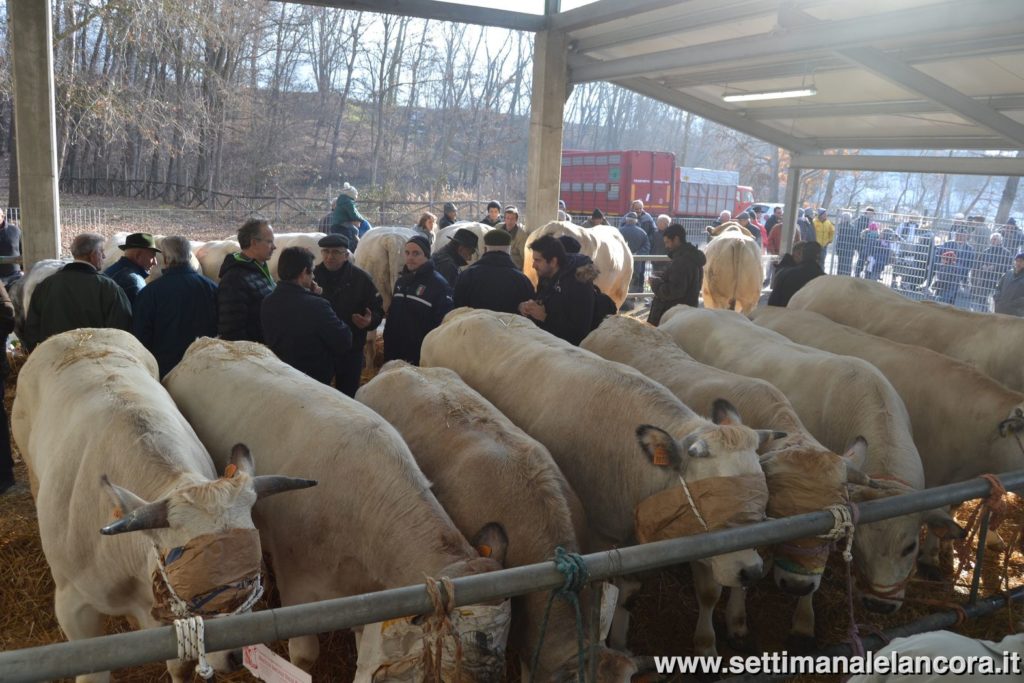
[507,443]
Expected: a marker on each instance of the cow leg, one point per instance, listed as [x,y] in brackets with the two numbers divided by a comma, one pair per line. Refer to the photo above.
[736,620]
[78,620]
[802,634]
[619,631]
[708,593]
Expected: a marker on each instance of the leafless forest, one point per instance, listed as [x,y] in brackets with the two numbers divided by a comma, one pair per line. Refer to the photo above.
[256,97]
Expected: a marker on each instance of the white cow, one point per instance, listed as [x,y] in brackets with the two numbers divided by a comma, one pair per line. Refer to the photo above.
[953,408]
[733,274]
[371,524]
[479,229]
[380,255]
[988,341]
[604,244]
[112,252]
[618,437]
[465,445]
[212,254]
[839,399]
[788,462]
[994,662]
[89,406]
[283,240]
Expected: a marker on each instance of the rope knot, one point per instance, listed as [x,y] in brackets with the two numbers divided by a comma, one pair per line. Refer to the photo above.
[438,626]
[192,644]
[575,577]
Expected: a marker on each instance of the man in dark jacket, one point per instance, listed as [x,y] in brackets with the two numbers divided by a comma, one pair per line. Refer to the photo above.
[639,244]
[299,325]
[355,301]
[10,245]
[493,216]
[450,217]
[177,308]
[1009,294]
[6,327]
[494,282]
[643,219]
[131,270]
[564,305]
[789,281]
[455,255]
[76,296]
[681,281]
[244,282]
[420,301]
[345,217]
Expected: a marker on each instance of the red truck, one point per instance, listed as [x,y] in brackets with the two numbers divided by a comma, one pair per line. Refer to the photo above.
[611,180]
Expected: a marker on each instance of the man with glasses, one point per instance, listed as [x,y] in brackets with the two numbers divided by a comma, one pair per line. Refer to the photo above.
[244,282]
[355,301]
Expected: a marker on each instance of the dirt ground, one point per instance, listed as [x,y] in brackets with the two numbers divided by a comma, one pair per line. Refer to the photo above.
[664,611]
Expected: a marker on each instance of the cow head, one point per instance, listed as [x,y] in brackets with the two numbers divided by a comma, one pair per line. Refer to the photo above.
[720,452]
[885,552]
[806,478]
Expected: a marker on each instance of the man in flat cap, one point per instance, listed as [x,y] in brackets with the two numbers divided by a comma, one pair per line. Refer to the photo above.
[131,270]
[513,227]
[494,282]
[355,301]
[455,255]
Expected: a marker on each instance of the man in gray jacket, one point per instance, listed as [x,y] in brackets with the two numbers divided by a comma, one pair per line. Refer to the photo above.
[1009,295]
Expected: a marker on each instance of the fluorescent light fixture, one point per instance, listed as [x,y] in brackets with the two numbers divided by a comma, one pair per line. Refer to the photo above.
[774,95]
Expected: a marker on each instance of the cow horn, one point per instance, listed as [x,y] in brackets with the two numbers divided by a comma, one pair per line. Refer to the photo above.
[272,484]
[766,435]
[148,516]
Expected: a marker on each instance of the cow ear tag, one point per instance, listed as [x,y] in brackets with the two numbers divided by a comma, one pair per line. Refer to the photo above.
[230,470]
[660,458]
[484,550]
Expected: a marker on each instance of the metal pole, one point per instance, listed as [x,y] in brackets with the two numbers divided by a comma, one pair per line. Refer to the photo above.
[979,559]
[932,622]
[62,660]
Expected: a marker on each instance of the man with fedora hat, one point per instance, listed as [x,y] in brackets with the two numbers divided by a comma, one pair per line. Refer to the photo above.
[355,301]
[131,270]
[494,282]
[450,258]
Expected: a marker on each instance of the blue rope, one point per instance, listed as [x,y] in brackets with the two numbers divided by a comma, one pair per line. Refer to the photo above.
[574,569]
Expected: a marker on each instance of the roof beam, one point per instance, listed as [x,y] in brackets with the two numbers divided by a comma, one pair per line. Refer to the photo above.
[998,17]
[935,142]
[714,113]
[603,11]
[995,166]
[800,64]
[442,11]
[699,18]
[814,111]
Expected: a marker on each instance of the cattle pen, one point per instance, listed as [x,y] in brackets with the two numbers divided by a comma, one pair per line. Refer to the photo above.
[152,645]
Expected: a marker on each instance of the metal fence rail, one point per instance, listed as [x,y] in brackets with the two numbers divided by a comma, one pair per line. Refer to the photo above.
[159,644]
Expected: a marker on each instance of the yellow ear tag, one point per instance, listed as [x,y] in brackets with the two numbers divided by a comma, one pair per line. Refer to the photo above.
[661,458]
[484,550]
[118,513]
[230,470]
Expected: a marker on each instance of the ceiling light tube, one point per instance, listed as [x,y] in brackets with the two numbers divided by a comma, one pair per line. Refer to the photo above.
[773,95]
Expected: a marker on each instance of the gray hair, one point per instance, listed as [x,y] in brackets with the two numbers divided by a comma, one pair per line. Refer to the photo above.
[176,250]
[85,244]
[996,238]
[847,216]
[664,217]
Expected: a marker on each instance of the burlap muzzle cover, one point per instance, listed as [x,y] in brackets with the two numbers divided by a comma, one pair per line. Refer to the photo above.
[213,574]
[722,502]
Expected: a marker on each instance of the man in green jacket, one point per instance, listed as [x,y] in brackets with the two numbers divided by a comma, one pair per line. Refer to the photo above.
[76,296]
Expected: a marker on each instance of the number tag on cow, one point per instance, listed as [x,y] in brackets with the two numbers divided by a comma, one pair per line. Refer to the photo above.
[267,666]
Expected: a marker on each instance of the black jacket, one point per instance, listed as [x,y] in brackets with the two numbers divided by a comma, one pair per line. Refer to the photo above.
[679,283]
[303,331]
[486,220]
[568,299]
[447,262]
[350,290]
[176,309]
[444,222]
[243,286]
[419,303]
[494,283]
[788,281]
